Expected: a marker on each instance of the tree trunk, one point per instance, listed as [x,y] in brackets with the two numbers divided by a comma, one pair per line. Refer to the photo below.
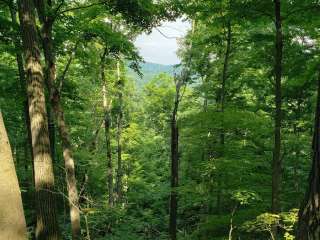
[107,125]
[50,70]
[47,42]
[52,133]
[119,132]
[22,81]
[47,224]
[231,221]
[277,161]
[70,170]
[224,80]
[12,221]
[223,103]
[308,223]
[174,165]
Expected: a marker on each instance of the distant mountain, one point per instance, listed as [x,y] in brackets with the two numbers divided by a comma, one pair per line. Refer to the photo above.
[149,71]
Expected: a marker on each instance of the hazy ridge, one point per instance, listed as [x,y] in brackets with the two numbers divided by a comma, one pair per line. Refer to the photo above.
[149,71]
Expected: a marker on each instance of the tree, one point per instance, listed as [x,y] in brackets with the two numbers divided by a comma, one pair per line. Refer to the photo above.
[277,158]
[120,86]
[308,225]
[22,77]
[47,225]
[179,83]
[44,8]
[107,126]
[10,197]
[182,169]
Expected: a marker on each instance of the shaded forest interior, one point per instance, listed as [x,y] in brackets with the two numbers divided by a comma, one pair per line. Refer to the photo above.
[224,145]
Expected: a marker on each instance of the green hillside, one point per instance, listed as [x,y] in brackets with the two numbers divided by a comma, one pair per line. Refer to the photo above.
[150,70]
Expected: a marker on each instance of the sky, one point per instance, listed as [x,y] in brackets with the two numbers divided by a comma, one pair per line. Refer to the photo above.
[156,48]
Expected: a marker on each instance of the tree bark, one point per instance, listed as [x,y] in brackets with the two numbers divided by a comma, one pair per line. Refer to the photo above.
[174,165]
[52,133]
[308,223]
[107,125]
[277,161]
[223,104]
[224,79]
[47,42]
[22,81]
[47,224]
[10,198]
[119,133]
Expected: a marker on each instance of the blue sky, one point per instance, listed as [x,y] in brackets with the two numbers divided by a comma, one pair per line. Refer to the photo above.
[158,49]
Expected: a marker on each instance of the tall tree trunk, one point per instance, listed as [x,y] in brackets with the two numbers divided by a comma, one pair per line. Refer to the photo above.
[308,223]
[12,222]
[224,80]
[107,125]
[277,161]
[47,42]
[119,133]
[222,105]
[180,81]
[50,68]
[174,164]
[69,168]
[47,224]
[22,79]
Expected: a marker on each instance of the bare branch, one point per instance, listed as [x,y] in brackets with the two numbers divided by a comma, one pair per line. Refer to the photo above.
[167,37]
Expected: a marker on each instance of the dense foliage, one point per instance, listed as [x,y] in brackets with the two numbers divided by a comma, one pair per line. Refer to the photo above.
[225,117]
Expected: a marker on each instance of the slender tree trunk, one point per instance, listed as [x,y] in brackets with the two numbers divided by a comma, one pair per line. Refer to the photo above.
[231,221]
[308,223]
[119,133]
[70,170]
[174,165]
[107,125]
[219,194]
[277,161]
[224,80]
[180,81]
[47,224]
[296,161]
[87,227]
[12,223]
[223,103]
[22,80]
